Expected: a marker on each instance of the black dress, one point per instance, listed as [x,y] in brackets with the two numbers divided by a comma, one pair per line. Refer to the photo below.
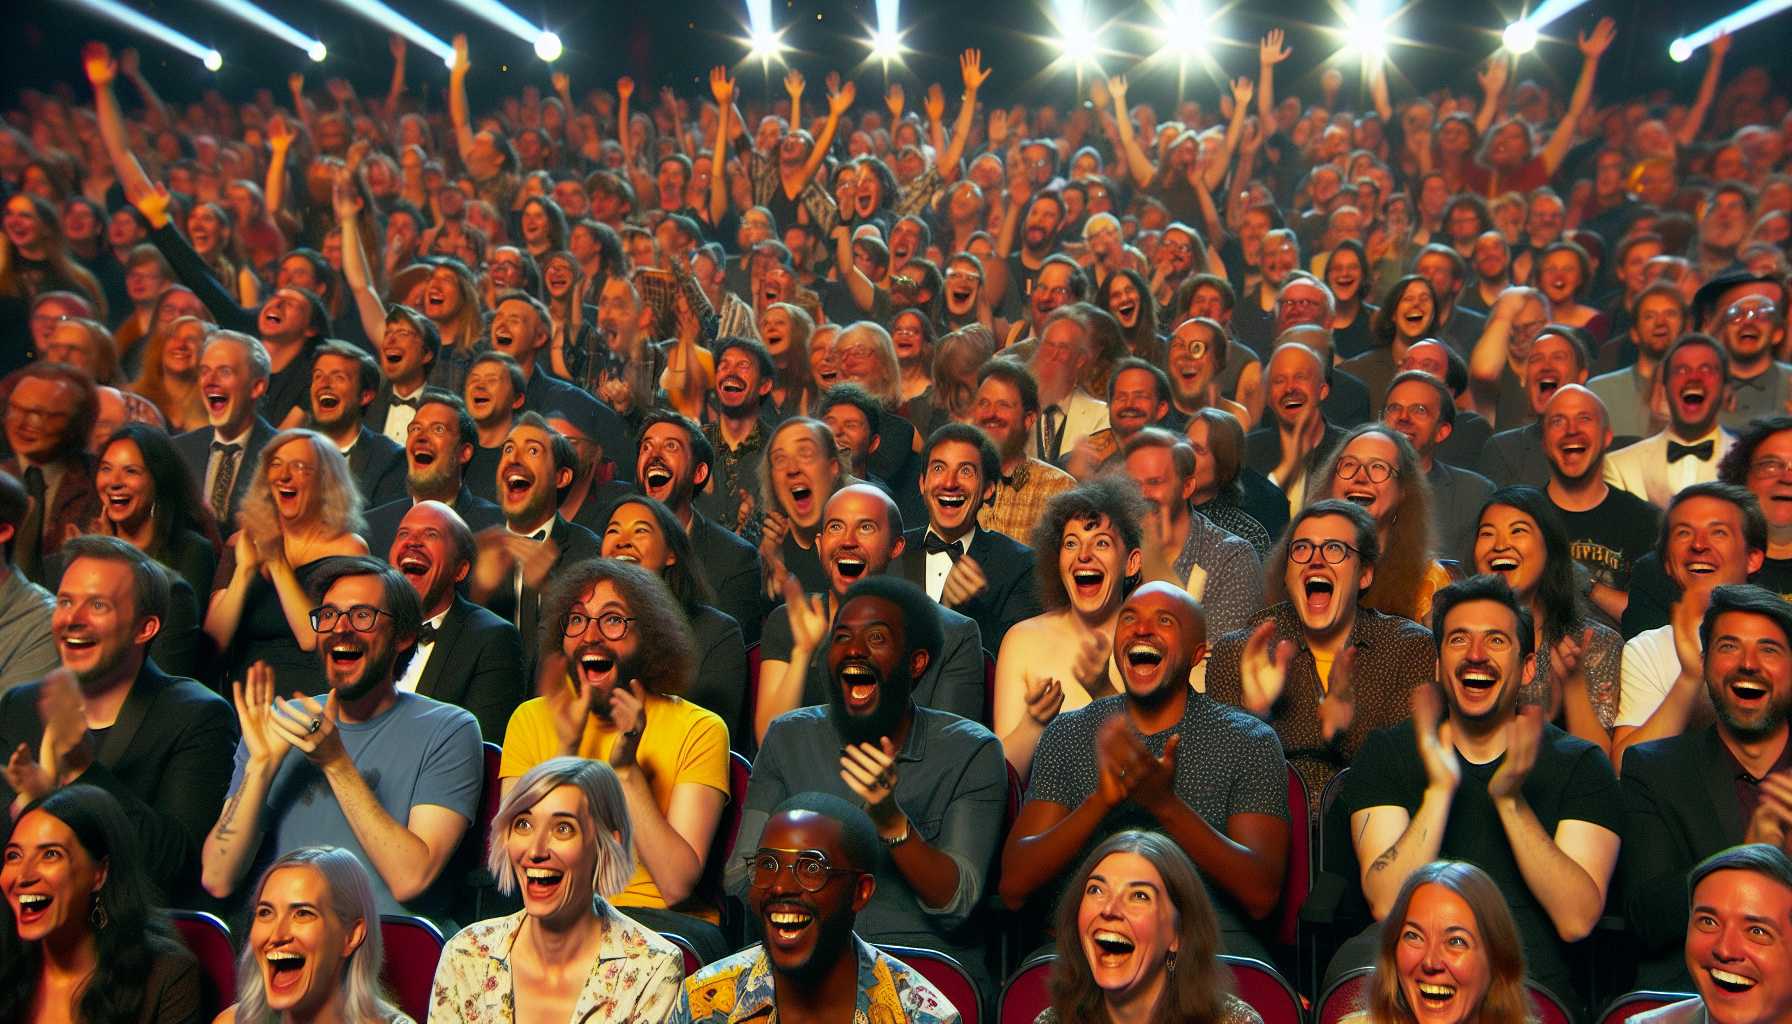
[263,634]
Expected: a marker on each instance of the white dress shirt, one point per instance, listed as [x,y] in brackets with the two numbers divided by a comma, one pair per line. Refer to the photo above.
[399,417]
[413,673]
[939,563]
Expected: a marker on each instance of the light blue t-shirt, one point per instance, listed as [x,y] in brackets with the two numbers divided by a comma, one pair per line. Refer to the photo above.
[421,751]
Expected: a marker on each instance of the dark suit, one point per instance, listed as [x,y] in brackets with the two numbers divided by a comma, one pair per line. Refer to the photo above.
[1456,498]
[167,758]
[378,466]
[1007,564]
[721,682]
[547,394]
[195,448]
[1680,796]
[1467,438]
[76,503]
[1347,403]
[731,567]
[382,521]
[1516,457]
[576,544]
[1263,448]
[375,417]
[477,664]
[480,474]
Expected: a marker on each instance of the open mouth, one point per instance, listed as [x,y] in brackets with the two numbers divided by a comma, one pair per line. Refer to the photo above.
[1502,563]
[960,296]
[1087,582]
[596,664]
[1112,948]
[346,654]
[1694,399]
[392,356]
[950,502]
[1318,591]
[286,493]
[1292,402]
[1144,659]
[858,684]
[1361,496]
[1127,312]
[1701,567]
[849,567]
[1546,386]
[802,497]
[328,401]
[120,501]
[33,906]
[733,387]
[1477,679]
[216,401]
[421,456]
[1749,690]
[541,883]
[1435,996]
[272,316]
[1730,982]
[517,484]
[786,922]
[658,477]
[286,970]
[502,340]
[414,562]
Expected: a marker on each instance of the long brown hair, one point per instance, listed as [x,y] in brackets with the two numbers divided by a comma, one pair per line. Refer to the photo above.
[1406,548]
[1198,985]
[1506,1001]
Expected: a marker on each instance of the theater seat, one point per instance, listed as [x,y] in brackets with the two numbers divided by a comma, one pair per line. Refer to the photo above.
[1345,996]
[1027,992]
[1264,989]
[1545,1007]
[209,940]
[946,975]
[1297,878]
[1630,1004]
[692,962]
[413,946]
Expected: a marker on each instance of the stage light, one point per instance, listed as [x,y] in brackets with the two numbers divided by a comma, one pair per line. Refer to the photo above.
[1520,37]
[1077,39]
[114,11]
[885,46]
[1760,10]
[547,47]
[1366,30]
[765,45]
[1185,28]
[273,26]
[541,39]
[397,23]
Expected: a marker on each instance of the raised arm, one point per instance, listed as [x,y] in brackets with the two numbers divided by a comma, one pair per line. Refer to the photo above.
[839,102]
[295,84]
[1392,843]
[1143,170]
[347,204]
[1592,47]
[672,844]
[1488,360]
[625,91]
[230,846]
[722,88]
[1242,90]
[970,66]
[1270,52]
[457,100]
[1378,90]
[864,292]
[396,44]
[1714,71]
[155,112]
[793,87]
[1492,77]
[102,71]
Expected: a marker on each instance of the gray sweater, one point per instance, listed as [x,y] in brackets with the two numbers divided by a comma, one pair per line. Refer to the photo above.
[27,650]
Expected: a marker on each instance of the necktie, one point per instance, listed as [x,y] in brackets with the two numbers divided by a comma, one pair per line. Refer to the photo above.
[1050,446]
[1700,451]
[28,552]
[933,545]
[528,611]
[223,481]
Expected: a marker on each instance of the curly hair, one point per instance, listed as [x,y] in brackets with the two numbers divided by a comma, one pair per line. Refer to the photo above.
[1112,497]
[1406,541]
[338,499]
[667,660]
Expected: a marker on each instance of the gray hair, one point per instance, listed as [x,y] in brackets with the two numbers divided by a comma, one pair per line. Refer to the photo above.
[339,499]
[596,782]
[359,994]
[261,365]
[888,390]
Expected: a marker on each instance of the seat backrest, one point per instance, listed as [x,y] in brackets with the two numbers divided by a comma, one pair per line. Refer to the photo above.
[1545,1007]
[413,946]
[208,938]
[750,713]
[489,798]
[1630,1004]
[1348,994]
[721,845]
[1266,991]
[692,962]
[947,975]
[989,691]
[1297,879]
[1028,991]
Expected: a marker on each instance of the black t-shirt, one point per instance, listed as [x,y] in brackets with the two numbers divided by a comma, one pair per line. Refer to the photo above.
[1608,538]
[1572,780]
[1775,575]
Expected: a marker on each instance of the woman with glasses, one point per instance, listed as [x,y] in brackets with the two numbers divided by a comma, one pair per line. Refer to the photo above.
[1520,538]
[1376,468]
[301,507]
[563,841]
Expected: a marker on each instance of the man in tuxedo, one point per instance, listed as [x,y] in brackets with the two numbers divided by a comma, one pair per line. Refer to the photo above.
[465,655]
[438,447]
[515,561]
[233,374]
[982,574]
[344,380]
[49,415]
[158,743]
[1728,782]
[673,461]
[407,351]
[1347,397]
[1695,372]
[521,328]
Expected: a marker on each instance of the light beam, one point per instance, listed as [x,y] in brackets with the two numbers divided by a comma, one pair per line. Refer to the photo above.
[541,39]
[1186,32]
[1077,40]
[393,21]
[114,11]
[1521,36]
[273,26]
[764,43]
[1686,45]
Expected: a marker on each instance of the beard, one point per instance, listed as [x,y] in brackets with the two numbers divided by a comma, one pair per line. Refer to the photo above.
[1746,730]
[893,696]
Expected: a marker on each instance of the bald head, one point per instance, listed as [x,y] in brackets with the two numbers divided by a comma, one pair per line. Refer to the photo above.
[1159,638]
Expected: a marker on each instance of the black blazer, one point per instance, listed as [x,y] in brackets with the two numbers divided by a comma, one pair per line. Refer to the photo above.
[1680,801]
[1516,457]
[730,565]
[379,466]
[1263,448]
[167,758]
[721,682]
[477,664]
[383,520]
[1013,592]
[375,417]
[195,449]
[576,544]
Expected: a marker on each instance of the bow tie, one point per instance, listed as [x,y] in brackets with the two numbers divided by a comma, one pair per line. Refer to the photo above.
[426,634]
[1700,451]
[410,403]
[933,545]
[219,446]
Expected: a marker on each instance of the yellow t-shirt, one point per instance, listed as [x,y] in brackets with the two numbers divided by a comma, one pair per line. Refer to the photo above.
[682,743]
[1322,660]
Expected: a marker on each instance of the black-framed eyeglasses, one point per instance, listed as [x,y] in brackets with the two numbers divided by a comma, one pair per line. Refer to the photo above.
[362,617]
[1768,466]
[810,867]
[1334,552]
[1349,466]
[610,625]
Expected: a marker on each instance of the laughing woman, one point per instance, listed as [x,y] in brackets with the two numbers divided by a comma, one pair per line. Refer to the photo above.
[300,508]
[1138,941]
[314,949]
[562,836]
[79,939]
[1127,296]
[1376,467]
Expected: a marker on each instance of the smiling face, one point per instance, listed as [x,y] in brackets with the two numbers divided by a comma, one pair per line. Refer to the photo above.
[1575,434]
[1324,594]
[49,879]
[1159,637]
[425,553]
[1363,460]
[1414,408]
[1093,564]
[38,414]
[634,535]
[739,384]
[592,658]
[1748,673]
[1415,313]
[1737,947]
[1133,402]
[1659,320]
[1752,329]
[434,450]
[404,358]
[227,387]
[553,848]
[1442,959]
[1552,362]
[1296,384]
[1480,665]
[998,412]
[803,474]
[285,317]
[1344,275]
[527,479]
[1509,544]
[356,662]
[1770,478]
[1706,545]
[1193,363]
[292,480]
[1127,926]
[665,467]
[95,622]
[1695,386]
[872,669]
[300,944]
[857,538]
[1153,469]
[23,228]
[517,331]
[127,491]
[337,398]
[954,488]
[807,932]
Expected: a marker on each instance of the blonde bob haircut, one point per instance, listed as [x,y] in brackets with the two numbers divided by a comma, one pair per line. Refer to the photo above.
[610,830]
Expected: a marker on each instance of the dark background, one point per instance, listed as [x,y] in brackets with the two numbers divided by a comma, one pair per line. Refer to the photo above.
[674,42]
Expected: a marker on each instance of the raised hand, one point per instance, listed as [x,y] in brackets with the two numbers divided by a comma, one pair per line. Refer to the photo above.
[934,105]
[1492,75]
[1117,89]
[1437,742]
[1338,709]
[128,62]
[628,714]
[1263,669]
[625,88]
[832,81]
[793,82]
[310,726]
[1270,50]
[461,61]
[808,615]
[343,197]
[561,82]
[1044,699]
[535,557]
[101,69]
[841,99]
[869,770]
[295,83]
[1772,820]
[27,778]
[280,134]
[1524,735]
[1719,46]
[571,705]
[254,698]
[721,86]
[1091,664]
[1594,46]
[395,44]
[1242,91]
[893,99]
[998,127]
[970,66]
[153,205]
[964,582]
[63,711]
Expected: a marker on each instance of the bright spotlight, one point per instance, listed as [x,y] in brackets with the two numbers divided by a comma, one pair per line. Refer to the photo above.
[547,47]
[1684,47]
[1679,50]
[515,24]
[1520,37]
[392,21]
[245,11]
[1185,28]
[1077,40]
[766,45]
[114,11]
[885,46]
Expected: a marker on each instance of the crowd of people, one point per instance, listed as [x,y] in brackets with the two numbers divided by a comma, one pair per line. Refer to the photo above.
[862,526]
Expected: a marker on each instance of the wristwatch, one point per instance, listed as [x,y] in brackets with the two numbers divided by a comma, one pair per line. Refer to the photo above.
[907,833]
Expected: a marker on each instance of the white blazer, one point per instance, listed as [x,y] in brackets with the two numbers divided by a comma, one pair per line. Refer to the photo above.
[1643,468]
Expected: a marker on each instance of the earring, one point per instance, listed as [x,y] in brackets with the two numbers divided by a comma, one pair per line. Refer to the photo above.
[1170,962]
[99,918]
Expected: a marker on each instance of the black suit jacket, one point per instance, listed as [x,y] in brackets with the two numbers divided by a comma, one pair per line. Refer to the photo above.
[375,417]
[1347,404]
[1007,564]
[547,393]
[1516,457]
[477,664]
[731,566]
[1680,799]
[576,544]
[167,758]
[195,448]
[1263,447]
[378,465]
[383,520]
